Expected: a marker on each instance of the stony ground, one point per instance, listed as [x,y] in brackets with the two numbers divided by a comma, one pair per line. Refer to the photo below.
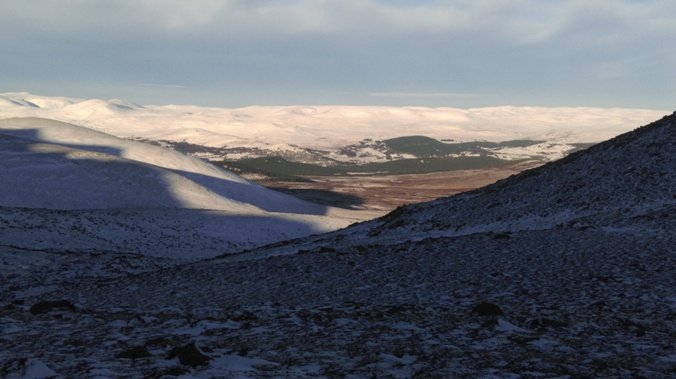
[564,303]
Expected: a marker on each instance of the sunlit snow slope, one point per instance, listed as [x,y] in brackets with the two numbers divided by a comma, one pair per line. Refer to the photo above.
[74,167]
[327,127]
[119,194]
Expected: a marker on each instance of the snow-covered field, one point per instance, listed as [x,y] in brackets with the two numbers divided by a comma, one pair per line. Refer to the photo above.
[286,129]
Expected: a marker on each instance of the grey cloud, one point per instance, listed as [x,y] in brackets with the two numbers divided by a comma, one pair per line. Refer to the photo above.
[512,22]
[378,50]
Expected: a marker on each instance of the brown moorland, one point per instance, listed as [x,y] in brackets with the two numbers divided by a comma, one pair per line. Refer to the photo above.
[386,192]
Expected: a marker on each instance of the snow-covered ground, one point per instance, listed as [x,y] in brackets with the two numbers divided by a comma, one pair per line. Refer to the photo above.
[286,128]
[567,270]
[70,187]
[48,151]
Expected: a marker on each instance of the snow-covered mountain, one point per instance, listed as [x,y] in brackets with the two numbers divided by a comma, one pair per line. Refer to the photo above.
[321,134]
[566,270]
[125,195]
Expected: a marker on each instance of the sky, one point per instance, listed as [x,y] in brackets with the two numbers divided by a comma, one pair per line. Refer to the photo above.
[456,53]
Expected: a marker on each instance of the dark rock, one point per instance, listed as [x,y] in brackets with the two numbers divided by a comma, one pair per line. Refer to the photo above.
[189,355]
[501,235]
[134,353]
[157,342]
[487,309]
[48,306]
[521,339]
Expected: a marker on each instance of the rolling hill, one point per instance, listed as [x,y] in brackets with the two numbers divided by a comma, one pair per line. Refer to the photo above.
[123,195]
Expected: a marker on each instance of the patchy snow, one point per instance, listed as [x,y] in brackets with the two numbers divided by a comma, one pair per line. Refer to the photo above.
[32,369]
[508,327]
[234,366]
[547,150]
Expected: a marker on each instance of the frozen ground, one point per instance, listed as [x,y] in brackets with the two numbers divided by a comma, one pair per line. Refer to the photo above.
[576,303]
[563,271]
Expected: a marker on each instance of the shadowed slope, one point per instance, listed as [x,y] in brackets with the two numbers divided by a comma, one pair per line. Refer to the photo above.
[71,188]
[220,189]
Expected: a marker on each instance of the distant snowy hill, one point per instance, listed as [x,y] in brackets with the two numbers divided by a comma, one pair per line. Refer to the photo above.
[321,134]
[46,164]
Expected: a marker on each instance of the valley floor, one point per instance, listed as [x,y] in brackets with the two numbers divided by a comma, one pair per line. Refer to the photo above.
[385,192]
[571,302]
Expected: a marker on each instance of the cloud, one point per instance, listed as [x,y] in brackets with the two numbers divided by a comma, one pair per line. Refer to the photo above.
[174,86]
[384,50]
[424,94]
[511,21]
[220,17]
